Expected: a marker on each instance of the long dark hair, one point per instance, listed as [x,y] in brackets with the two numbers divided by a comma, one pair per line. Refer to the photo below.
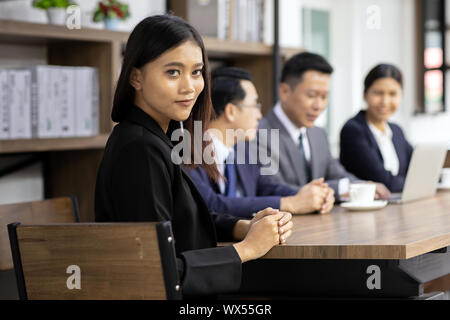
[150,39]
[382,70]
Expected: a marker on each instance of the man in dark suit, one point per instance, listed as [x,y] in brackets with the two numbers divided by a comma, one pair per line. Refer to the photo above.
[245,190]
[303,152]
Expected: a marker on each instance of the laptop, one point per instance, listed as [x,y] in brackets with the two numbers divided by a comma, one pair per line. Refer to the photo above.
[423,172]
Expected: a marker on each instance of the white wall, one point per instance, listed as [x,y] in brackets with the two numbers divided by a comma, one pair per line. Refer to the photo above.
[392,43]
[344,57]
[356,48]
[291,19]
[27,184]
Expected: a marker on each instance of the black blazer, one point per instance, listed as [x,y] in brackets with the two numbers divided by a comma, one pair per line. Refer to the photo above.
[361,156]
[137,181]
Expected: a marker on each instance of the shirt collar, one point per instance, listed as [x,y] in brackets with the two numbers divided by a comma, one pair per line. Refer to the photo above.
[378,133]
[221,151]
[291,128]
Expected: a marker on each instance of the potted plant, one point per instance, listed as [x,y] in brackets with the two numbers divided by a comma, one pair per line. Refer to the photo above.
[111,12]
[56,9]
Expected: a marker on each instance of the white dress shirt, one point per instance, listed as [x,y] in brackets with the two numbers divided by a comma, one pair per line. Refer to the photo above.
[384,142]
[221,154]
[294,132]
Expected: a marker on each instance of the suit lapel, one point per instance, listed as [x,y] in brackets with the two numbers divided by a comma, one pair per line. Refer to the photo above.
[294,156]
[215,186]
[373,141]
[361,118]
[241,176]
[397,146]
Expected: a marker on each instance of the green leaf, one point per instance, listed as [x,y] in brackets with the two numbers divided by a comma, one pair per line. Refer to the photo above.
[98,16]
[123,7]
[45,4]
[112,15]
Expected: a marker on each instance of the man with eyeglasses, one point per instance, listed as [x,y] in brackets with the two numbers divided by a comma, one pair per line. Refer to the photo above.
[245,190]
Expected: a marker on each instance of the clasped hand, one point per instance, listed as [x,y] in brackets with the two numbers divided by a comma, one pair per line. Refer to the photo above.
[268,228]
[312,197]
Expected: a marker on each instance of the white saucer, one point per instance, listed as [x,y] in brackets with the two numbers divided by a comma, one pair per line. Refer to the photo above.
[355,206]
[442,186]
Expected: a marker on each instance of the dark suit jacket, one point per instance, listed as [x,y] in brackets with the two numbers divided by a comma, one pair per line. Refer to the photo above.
[137,181]
[361,156]
[260,191]
[287,154]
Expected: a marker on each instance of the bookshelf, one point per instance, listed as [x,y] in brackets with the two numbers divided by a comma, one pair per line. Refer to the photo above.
[54,144]
[71,164]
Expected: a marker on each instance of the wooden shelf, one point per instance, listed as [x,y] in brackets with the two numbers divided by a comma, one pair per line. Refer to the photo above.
[236,48]
[54,144]
[29,32]
[230,48]
[19,31]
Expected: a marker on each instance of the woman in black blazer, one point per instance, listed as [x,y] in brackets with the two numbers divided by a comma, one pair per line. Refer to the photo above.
[164,82]
[371,147]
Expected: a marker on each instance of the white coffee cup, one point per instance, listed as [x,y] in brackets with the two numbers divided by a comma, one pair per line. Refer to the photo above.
[362,192]
[445,176]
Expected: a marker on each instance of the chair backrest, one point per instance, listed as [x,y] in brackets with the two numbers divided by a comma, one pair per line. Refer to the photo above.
[95,261]
[56,210]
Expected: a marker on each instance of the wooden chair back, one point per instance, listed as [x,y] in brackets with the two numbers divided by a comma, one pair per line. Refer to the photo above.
[92,261]
[56,210]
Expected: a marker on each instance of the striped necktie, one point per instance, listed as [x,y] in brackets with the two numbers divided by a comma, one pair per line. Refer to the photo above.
[306,166]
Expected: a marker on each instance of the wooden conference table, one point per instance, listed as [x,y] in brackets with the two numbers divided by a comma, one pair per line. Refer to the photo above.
[390,252]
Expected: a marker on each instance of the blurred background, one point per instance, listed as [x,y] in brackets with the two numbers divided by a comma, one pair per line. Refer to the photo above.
[354,35]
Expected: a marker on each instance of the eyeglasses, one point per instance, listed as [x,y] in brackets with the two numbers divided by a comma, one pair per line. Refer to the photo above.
[256,106]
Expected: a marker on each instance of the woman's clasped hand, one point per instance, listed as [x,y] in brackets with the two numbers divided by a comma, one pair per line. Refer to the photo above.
[269,227]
